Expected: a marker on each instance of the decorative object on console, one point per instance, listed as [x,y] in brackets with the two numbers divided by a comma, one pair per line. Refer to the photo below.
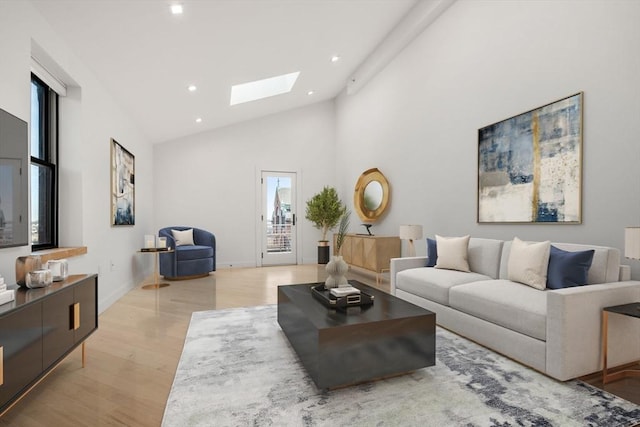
[368,228]
[371,195]
[411,233]
[59,269]
[632,242]
[337,268]
[39,279]
[25,264]
[162,242]
[530,166]
[6,295]
[122,185]
[324,210]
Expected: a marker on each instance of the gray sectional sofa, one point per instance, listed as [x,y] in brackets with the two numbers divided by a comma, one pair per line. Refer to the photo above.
[556,332]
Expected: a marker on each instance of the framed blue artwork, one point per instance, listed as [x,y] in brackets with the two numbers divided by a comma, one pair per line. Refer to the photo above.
[530,166]
[122,185]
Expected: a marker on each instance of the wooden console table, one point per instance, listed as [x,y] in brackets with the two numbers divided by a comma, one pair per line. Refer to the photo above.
[371,253]
[40,328]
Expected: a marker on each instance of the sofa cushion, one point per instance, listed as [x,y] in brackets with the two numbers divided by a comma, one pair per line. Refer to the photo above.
[512,305]
[453,253]
[568,269]
[183,237]
[433,283]
[484,256]
[432,253]
[605,267]
[528,263]
[184,253]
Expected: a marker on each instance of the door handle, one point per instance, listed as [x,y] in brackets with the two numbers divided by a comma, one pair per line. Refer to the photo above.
[294,219]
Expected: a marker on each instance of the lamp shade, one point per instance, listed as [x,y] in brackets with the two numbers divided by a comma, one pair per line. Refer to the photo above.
[632,242]
[411,232]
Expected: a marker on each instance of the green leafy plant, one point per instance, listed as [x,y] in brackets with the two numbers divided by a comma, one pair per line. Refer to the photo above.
[342,230]
[324,210]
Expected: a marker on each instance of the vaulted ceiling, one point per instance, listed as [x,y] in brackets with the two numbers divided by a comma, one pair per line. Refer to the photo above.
[147,57]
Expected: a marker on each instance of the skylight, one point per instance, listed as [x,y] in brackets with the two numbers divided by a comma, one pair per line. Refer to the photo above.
[265,88]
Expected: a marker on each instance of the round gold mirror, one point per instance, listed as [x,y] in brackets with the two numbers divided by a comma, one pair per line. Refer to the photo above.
[371,195]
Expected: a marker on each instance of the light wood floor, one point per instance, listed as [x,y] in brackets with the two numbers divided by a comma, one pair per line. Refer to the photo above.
[132,357]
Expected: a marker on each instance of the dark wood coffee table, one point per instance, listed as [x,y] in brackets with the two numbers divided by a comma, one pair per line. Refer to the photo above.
[344,347]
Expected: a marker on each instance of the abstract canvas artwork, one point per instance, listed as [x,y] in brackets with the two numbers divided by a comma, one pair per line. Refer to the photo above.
[122,185]
[530,166]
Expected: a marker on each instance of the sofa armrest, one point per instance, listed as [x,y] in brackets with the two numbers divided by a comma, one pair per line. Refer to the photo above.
[399,264]
[574,331]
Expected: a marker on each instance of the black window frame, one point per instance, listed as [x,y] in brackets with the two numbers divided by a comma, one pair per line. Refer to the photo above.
[49,161]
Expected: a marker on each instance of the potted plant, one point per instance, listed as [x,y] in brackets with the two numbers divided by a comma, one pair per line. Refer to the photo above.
[324,210]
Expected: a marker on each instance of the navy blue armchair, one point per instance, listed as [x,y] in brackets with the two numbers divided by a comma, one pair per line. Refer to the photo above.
[188,261]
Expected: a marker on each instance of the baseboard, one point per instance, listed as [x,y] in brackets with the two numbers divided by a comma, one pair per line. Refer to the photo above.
[118,293]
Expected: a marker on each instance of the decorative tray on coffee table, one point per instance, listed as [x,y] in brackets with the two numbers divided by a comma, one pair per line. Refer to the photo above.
[322,294]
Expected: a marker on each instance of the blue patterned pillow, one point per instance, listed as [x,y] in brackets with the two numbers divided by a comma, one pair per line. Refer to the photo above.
[432,252]
[568,269]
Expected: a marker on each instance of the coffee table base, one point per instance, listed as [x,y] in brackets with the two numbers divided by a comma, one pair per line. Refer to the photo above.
[345,351]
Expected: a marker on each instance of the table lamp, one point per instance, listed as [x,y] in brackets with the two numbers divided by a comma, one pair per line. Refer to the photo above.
[632,242]
[411,233]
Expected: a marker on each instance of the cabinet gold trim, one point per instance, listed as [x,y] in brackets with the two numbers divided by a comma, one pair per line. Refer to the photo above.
[76,315]
[1,365]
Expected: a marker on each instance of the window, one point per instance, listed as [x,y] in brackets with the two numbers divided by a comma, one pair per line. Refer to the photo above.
[44,179]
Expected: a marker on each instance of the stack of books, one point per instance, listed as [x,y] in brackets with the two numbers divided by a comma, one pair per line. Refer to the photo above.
[6,295]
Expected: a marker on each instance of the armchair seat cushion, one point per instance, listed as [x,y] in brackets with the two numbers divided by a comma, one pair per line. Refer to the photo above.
[185,253]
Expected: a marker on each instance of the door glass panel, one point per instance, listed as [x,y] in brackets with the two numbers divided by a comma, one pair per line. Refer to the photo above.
[279,219]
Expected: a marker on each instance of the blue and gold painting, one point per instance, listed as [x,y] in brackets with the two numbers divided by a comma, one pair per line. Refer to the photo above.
[530,168]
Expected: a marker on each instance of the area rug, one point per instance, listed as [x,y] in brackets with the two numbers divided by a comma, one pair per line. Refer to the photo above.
[238,369]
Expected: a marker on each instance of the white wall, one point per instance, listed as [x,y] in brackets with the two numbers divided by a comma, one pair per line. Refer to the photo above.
[210,180]
[482,62]
[89,118]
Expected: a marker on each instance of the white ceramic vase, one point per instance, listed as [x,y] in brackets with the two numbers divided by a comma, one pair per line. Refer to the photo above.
[337,269]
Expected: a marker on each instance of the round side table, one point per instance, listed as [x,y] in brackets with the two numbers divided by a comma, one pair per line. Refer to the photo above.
[156,274]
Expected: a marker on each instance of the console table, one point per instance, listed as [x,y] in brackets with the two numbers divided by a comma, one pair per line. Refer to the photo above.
[40,328]
[371,253]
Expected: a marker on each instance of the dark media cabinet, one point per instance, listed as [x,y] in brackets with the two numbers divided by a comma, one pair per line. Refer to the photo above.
[40,328]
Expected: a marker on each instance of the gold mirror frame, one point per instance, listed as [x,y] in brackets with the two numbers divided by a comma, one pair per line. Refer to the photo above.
[367,177]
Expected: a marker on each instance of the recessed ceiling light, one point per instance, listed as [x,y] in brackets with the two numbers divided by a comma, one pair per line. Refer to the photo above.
[335,58]
[192,88]
[176,9]
[199,120]
[264,88]
[310,92]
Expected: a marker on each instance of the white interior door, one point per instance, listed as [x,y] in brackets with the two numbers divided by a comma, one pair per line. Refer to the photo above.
[278,218]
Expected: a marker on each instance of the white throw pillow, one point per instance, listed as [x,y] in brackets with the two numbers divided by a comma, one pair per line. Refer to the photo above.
[528,263]
[183,238]
[453,253]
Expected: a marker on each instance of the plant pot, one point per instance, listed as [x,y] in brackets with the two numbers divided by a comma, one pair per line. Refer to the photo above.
[323,252]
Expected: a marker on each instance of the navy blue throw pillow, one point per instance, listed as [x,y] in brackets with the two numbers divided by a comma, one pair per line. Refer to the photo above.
[432,252]
[568,269]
